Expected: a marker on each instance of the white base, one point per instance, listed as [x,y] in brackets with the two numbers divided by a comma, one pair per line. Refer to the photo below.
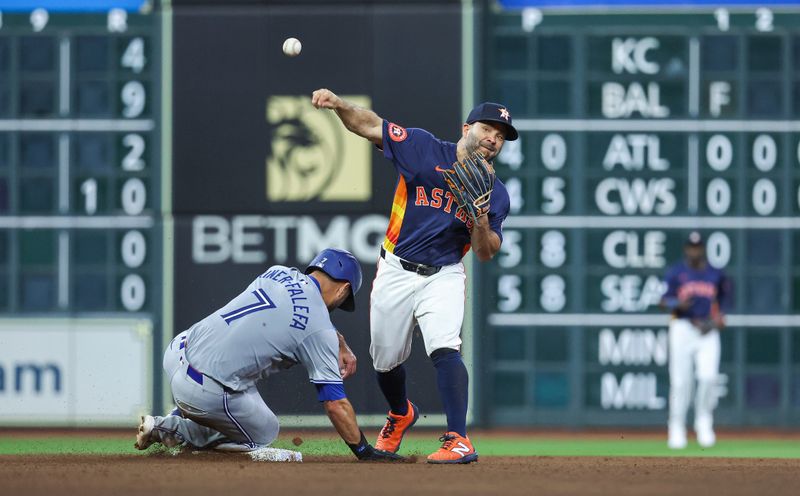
[275,455]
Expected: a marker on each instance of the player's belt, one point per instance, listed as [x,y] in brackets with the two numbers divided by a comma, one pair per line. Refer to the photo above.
[421,269]
[201,378]
[196,375]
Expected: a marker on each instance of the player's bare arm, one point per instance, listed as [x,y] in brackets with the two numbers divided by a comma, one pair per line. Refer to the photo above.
[347,359]
[358,120]
[343,418]
[485,242]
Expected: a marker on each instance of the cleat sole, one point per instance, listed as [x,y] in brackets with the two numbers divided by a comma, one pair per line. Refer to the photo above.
[473,457]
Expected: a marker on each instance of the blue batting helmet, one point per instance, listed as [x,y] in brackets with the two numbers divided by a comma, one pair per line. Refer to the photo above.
[342,266]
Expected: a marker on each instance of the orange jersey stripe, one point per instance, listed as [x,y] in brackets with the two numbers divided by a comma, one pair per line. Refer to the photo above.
[398,212]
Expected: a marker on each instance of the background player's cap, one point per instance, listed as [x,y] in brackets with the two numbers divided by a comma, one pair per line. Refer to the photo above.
[494,112]
[694,239]
[342,266]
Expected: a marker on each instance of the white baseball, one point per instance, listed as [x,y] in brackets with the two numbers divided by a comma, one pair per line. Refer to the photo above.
[292,47]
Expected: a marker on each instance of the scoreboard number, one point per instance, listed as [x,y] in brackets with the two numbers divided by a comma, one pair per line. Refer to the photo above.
[553,198]
[554,152]
[719,152]
[718,249]
[134,249]
[516,197]
[132,292]
[718,196]
[89,191]
[553,254]
[133,99]
[133,58]
[765,152]
[510,250]
[765,196]
[133,160]
[723,19]
[39,19]
[764,19]
[509,292]
[553,297]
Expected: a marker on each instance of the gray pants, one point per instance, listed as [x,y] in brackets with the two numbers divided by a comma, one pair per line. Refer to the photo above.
[211,415]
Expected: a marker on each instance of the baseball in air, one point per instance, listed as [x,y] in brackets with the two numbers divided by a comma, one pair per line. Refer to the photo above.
[292,47]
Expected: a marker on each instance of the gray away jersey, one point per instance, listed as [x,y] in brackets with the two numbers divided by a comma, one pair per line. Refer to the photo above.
[278,321]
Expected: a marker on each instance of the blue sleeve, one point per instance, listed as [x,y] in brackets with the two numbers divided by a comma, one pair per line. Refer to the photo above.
[498,208]
[670,298]
[405,147]
[330,392]
[724,293]
[319,354]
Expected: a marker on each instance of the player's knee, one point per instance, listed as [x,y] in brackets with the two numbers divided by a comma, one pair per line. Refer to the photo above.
[267,432]
[266,440]
[707,376]
[680,386]
[385,364]
[386,358]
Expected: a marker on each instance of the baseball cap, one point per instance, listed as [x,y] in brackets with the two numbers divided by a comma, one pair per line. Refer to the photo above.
[694,239]
[494,112]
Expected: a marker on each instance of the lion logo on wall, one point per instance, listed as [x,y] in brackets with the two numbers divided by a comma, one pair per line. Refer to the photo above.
[312,156]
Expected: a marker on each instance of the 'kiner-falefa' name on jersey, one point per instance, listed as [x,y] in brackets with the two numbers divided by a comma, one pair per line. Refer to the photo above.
[296,293]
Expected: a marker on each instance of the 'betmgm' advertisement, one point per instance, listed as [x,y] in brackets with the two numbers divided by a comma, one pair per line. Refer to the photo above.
[261,177]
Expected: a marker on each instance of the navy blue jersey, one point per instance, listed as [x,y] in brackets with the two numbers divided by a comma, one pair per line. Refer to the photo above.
[425,225]
[709,290]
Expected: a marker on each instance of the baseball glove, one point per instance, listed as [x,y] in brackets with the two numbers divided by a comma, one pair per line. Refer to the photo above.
[709,324]
[703,325]
[471,181]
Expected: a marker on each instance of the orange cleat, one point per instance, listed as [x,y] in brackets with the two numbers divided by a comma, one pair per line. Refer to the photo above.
[455,449]
[395,428]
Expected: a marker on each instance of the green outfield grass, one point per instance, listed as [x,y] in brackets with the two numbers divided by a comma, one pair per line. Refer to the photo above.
[422,445]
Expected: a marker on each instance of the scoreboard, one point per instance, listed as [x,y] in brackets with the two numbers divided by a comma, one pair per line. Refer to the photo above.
[635,129]
[78,162]
[79,191]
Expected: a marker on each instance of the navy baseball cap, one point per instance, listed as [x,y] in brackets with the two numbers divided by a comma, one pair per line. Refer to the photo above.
[494,112]
[694,239]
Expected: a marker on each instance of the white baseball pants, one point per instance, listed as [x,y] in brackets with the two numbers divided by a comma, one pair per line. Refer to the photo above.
[402,299]
[692,355]
[212,414]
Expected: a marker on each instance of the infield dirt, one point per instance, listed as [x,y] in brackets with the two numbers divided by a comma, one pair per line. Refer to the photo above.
[227,475]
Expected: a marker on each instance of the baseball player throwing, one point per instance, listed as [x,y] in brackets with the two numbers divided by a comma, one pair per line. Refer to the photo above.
[696,296]
[280,320]
[446,201]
